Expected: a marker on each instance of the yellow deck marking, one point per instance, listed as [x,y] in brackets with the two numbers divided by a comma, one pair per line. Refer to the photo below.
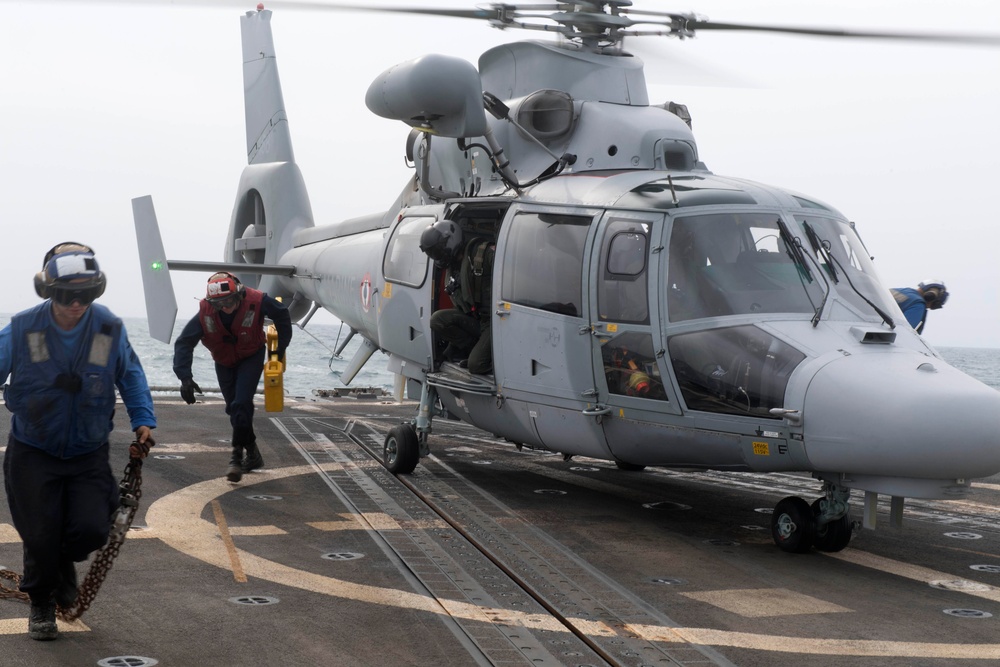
[766,602]
[256,530]
[186,448]
[176,519]
[332,525]
[815,646]
[8,535]
[19,626]
[916,573]
[234,556]
[984,485]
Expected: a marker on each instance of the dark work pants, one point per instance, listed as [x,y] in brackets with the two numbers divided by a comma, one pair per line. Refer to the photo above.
[239,384]
[61,508]
[468,336]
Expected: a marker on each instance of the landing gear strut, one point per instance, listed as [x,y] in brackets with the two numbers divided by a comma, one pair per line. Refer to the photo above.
[797,526]
[405,444]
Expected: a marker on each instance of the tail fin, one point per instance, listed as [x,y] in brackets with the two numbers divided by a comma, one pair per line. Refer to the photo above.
[161,305]
[271,199]
[268,138]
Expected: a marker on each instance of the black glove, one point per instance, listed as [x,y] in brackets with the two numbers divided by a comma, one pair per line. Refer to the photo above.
[188,387]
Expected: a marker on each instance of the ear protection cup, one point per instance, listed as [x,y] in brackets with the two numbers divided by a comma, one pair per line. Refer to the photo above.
[41,289]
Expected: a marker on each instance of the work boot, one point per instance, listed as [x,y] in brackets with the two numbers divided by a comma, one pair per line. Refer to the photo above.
[235,472]
[42,620]
[253,459]
[66,591]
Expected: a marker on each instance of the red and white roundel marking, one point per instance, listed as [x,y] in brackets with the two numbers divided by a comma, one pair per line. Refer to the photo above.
[366,292]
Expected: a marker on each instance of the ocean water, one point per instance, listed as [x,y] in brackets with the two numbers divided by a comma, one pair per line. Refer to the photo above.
[311,364]
[309,359]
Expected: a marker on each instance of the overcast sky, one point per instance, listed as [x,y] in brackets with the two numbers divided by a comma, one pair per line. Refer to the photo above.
[103,102]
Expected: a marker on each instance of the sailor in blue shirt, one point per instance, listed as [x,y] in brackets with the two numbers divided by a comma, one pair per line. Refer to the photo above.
[915,303]
[65,357]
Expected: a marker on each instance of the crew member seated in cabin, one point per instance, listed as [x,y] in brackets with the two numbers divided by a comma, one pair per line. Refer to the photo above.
[915,303]
[466,327]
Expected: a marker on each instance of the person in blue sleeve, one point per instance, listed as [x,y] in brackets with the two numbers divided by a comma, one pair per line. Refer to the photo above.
[64,359]
[230,323]
[915,303]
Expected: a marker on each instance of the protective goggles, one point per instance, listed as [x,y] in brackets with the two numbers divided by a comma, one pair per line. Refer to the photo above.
[225,302]
[66,293]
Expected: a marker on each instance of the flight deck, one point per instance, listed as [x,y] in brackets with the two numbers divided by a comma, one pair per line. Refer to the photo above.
[490,555]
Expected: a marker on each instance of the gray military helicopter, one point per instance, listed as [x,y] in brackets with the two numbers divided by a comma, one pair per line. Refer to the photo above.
[644,310]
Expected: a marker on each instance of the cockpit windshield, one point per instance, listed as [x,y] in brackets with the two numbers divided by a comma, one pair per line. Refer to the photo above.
[735,264]
[839,251]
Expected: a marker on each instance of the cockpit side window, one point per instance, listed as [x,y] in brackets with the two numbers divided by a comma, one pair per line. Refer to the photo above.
[543,262]
[734,264]
[622,293]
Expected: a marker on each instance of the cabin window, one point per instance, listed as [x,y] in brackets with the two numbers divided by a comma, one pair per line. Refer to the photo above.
[405,262]
[735,264]
[543,262]
[736,370]
[630,366]
[622,294]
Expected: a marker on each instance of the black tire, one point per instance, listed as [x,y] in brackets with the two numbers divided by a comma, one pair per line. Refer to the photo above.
[834,536]
[630,467]
[401,450]
[792,525]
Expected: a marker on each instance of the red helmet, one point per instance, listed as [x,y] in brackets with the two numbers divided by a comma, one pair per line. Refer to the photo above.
[223,290]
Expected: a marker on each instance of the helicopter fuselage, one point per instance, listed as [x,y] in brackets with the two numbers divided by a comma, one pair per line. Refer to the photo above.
[671,328]
[642,309]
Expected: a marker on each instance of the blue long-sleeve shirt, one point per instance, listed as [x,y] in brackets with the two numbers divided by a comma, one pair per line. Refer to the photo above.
[912,303]
[130,378]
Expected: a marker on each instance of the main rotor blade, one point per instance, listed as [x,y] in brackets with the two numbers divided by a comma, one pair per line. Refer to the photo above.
[951,38]
[429,11]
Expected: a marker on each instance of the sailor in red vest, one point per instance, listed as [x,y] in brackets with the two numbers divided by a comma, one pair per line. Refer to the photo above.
[230,323]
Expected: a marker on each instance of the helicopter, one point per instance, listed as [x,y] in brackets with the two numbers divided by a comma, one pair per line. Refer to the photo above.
[644,310]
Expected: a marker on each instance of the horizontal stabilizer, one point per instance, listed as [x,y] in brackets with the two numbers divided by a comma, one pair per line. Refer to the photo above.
[161,305]
[231,267]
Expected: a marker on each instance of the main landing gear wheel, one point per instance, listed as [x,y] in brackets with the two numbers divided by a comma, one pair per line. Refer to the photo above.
[630,467]
[401,450]
[833,536]
[792,525]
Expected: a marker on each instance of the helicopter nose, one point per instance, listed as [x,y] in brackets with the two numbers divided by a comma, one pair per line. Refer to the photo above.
[901,414]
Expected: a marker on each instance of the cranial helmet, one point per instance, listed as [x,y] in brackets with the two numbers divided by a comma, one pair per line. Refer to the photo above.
[70,273]
[442,242]
[935,293]
[223,290]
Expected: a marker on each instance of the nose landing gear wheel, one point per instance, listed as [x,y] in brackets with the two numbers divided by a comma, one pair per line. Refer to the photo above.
[792,525]
[834,536]
[401,450]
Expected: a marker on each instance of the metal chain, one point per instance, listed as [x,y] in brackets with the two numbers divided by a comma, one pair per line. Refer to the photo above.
[129,493]
[14,593]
